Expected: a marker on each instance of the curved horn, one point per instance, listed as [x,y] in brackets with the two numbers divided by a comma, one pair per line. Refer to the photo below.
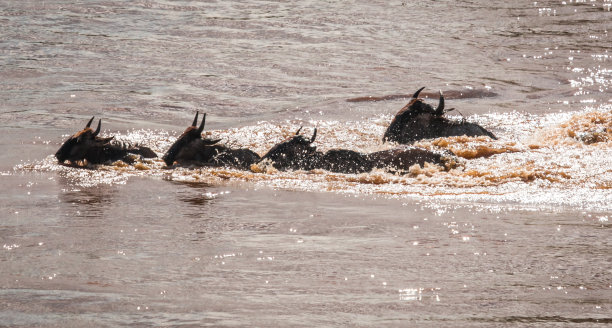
[314,135]
[98,128]
[298,131]
[195,120]
[416,94]
[89,123]
[440,108]
[201,128]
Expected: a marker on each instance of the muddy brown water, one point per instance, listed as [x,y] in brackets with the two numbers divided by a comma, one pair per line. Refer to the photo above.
[517,234]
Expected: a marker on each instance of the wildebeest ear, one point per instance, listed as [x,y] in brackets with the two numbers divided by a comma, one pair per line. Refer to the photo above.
[314,135]
[105,140]
[98,128]
[208,142]
[416,94]
[201,128]
[195,120]
[89,123]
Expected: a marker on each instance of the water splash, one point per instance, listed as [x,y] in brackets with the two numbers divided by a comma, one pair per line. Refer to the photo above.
[555,159]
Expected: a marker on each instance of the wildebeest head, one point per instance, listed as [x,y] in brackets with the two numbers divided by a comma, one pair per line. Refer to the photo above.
[190,141]
[417,106]
[80,145]
[418,120]
[294,153]
[416,111]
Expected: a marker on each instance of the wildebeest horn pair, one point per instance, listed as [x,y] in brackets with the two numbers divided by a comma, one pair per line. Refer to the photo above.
[314,134]
[195,122]
[95,133]
[440,109]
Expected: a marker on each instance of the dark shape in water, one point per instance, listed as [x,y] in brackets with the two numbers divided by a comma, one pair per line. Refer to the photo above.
[190,149]
[403,157]
[345,161]
[418,120]
[449,94]
[298,153]
[295,153]
[86,145]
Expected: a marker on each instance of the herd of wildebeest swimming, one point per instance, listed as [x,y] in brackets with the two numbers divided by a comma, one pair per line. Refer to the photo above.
[415,121]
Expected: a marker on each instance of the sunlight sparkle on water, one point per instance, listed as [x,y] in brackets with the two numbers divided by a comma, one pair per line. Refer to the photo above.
[555,159]
[10,247]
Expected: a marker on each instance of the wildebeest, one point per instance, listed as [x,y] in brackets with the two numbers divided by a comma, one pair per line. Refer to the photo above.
[295,153]
[403,157]
[190,149]
[418,120]
[85,145]
[298,153]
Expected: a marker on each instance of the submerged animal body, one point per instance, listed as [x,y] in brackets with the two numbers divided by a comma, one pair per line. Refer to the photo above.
[295,153]
[418,120]
[345,161]
[190,149]
[85,145]
[298,153]
[402,158]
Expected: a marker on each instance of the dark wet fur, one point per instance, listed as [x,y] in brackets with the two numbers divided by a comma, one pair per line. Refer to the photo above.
[418,120]
[345,161]
[297,153]
[85,145]
[190,149]
[402,158]
[241,158]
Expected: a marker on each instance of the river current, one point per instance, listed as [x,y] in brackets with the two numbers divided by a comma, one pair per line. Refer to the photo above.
[517,233]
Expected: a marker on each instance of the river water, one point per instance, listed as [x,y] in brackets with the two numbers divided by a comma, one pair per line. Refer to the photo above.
[517,234]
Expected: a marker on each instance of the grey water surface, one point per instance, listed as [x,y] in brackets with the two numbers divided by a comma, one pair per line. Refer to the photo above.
[115,246]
